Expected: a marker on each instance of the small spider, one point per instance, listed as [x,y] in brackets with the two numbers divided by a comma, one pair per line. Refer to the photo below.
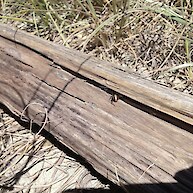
[114,98]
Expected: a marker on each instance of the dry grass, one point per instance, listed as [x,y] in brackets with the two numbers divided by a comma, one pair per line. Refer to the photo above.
[153,38]
[30,163]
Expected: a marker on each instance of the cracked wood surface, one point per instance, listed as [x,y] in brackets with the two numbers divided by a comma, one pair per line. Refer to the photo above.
[123,143]
[144,91]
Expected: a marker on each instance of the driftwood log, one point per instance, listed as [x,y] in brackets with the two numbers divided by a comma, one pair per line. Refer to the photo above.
[127,142]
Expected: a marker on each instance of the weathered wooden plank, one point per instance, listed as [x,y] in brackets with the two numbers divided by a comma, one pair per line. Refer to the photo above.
[154,95]
[116,139]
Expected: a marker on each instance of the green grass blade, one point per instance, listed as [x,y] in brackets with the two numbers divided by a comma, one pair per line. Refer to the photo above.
[106,22]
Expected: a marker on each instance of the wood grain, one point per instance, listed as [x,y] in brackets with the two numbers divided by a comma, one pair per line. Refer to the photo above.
[144,91]
[124,144]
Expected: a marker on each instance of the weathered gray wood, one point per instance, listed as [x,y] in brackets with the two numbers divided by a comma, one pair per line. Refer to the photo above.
[119,141]
[154,95]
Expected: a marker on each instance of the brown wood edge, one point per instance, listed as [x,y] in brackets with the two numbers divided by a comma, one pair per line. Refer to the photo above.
[163,99]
